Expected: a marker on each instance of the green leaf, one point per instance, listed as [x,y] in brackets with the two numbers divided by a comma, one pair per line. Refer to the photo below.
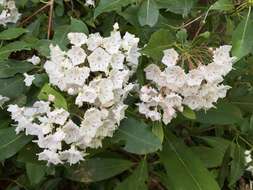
[42,46]
[12,87]
[60,35]
[28,154]
[59,101]
[224,114]
[237,164]
[148,13]
[223,5]
[11,67]
[11,143]
[97,169]
[157,130]
[35,172]
[78,26]
[218,143]
[224,170]
[137,136]
[211,157]
[180,163]
[242,38]
[13,47]
[159,41]
[12,33]
[245,103]
[182,7]
[40,80]
[189,113]
[110,5]
[137,180]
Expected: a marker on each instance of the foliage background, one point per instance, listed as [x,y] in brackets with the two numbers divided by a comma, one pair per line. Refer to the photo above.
[197,151]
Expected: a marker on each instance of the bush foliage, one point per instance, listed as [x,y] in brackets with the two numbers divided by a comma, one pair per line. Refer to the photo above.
[198,150]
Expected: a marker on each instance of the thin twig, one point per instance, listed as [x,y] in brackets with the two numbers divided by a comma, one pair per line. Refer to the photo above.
[34,14]
[50,18]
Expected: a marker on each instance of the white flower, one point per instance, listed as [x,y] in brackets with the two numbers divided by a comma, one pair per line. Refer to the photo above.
[168,114]
[175,76]
[58,116]
[87,94]
[94,41]
[72,132]
[112,43]
[52,141]
[28,79]
[76,76]
[77,39]
[153,73]
[170,57]
[51,98]
[119,112]
[99,60]
[50,156]
[3,99]
[99,87]
[106,94]
[117,61]
[72,155]
[90,3]
[77,55]
[199,89]
[9,13]
[194,77]
[35,60]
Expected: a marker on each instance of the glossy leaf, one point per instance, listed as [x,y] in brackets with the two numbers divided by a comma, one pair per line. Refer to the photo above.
[78,26]
[224,114]
[11,143]
[59,100]
[159,41]
[237,164]
[242,38]
[222,5]
[211,157]
[189,114]
[97,169]
[148,13]
[138,179]
[35,172]
[180,161]
[182,7]
[137,136]
[11,67]
[12,87]
[12,33]
[5,51]
[110,5]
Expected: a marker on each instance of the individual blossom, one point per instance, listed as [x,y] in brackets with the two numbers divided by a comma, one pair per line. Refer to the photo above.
[35,60]
[9,12]
[172,88]
[3,99]
[28,79]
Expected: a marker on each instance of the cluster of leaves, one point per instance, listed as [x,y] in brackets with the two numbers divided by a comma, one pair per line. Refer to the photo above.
[197,151]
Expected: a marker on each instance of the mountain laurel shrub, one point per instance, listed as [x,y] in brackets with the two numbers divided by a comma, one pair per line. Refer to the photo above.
[126,94]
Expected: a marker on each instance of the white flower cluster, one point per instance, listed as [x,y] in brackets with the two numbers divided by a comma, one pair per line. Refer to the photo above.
[9,13]
[96,70]
[3,99]
[42,121]
[198,89]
